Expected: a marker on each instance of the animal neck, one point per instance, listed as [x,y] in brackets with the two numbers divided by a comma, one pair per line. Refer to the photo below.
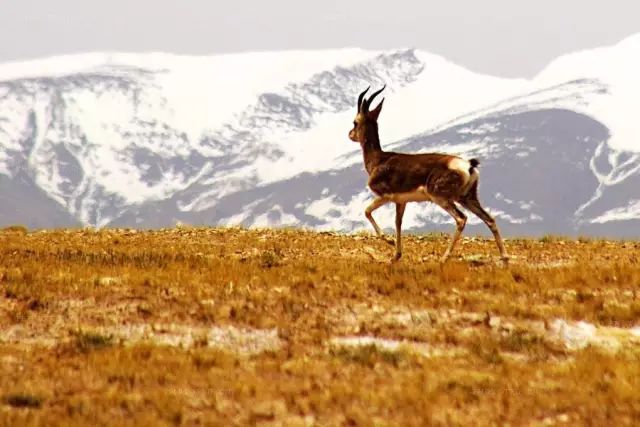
[371,149]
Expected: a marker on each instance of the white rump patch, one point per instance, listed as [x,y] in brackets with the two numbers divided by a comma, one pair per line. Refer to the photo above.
[460,165]
[464,166]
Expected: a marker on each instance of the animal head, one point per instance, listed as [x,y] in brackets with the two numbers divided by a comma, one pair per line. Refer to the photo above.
[365,119]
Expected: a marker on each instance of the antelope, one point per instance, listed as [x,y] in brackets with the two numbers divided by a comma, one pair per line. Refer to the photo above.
[400,178]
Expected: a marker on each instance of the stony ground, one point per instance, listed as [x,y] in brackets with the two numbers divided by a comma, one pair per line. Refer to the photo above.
[237,327]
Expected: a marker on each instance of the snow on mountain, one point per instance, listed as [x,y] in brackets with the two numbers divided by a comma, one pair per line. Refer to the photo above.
[617,68]
[601,83]
[260,138]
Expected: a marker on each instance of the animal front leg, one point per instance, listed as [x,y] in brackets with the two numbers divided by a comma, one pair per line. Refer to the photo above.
[377,202]
[399,214]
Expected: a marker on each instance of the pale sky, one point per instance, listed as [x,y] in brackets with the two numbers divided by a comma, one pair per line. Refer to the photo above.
[503,37]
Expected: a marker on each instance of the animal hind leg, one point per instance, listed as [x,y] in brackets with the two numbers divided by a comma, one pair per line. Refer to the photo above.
[461,221]
[377,202]
[473,204]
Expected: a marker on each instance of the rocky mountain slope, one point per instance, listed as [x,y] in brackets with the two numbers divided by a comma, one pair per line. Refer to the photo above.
[260,139]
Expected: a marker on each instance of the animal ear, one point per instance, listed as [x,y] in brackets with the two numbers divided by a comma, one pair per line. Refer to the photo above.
[376,111]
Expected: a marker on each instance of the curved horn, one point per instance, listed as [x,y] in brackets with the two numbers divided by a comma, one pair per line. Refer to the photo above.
[361,97]
[372,97]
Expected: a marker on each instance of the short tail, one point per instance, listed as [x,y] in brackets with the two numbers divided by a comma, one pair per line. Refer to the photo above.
[474,164]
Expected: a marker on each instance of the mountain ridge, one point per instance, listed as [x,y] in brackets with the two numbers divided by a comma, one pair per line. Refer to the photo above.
[118,145]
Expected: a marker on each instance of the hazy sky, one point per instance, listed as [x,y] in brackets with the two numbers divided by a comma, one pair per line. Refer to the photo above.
[502,37]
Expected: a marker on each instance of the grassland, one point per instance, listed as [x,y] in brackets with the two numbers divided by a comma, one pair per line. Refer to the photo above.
[261,327]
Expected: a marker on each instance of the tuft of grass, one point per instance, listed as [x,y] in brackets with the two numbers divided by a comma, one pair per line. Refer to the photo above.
[369,355]
[87,341]
[23,400]
[18,229]
[549,238]
[269,259]
[526,343]
[487,350]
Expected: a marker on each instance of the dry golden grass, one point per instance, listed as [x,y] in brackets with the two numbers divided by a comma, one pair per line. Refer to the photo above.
[237,327]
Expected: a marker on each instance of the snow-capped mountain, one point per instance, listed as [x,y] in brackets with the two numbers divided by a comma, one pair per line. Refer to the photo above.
[148,140]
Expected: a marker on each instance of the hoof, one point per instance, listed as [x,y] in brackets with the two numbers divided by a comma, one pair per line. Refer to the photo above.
[388,240]
[505,260]
[396,258]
